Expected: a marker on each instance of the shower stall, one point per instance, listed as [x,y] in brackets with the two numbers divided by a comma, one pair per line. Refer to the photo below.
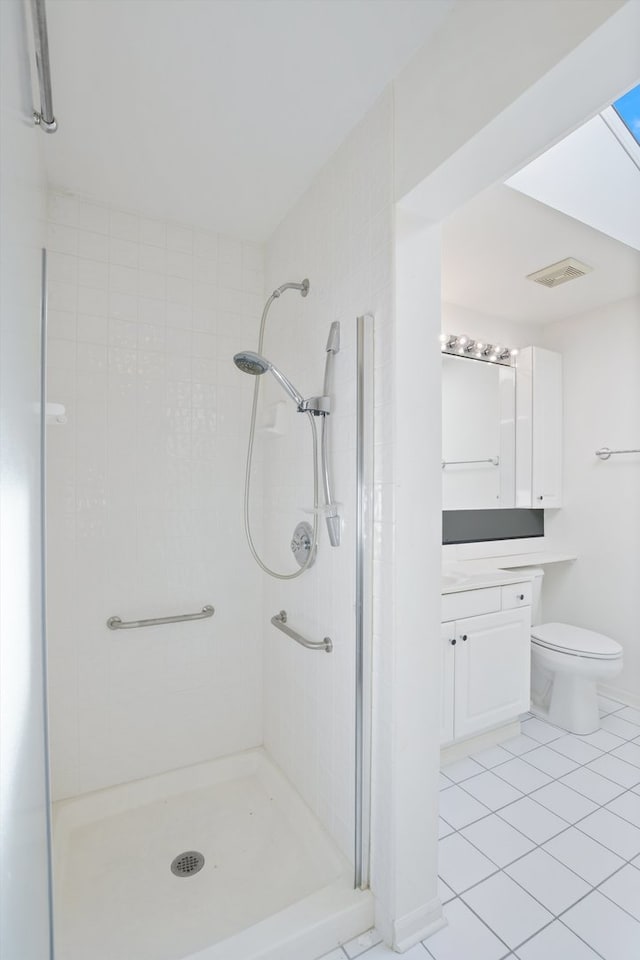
[209,696]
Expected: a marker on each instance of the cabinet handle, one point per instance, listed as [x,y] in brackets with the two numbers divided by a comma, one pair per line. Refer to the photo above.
[521,596]
[540,497]
[453,642]
[463,637]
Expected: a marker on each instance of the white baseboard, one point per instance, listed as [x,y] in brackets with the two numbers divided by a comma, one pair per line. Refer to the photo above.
[409,930]
[624,696]
[457,751]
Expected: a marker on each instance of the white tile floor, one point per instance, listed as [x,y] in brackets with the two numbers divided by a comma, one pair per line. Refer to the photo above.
[539,849]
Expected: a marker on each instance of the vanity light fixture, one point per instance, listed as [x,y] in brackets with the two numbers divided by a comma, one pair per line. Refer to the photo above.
[476,350]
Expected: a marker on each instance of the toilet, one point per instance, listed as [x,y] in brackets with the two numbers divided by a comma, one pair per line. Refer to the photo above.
[567,663]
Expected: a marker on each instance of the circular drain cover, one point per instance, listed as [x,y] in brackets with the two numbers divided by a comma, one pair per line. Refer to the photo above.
[188,863]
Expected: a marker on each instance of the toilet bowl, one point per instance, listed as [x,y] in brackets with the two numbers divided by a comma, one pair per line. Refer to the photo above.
[567,663]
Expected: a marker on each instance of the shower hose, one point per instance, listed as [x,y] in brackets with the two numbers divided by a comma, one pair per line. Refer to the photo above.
[247,476]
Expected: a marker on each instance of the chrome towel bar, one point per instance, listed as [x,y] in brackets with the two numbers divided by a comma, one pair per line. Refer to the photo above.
[43,117]
[115,623]
[494,461]
[604,453]
[280,621]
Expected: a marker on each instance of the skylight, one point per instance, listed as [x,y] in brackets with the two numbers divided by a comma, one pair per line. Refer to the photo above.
[628,109]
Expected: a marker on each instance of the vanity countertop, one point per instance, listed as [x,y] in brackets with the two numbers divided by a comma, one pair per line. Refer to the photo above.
[456,579]
[461,575]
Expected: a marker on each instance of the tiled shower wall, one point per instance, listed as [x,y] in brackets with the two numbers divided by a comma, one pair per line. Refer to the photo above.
[339,235]
[145,495]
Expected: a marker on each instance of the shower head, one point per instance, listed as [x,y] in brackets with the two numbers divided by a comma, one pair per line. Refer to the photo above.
[250,362]
[253,363]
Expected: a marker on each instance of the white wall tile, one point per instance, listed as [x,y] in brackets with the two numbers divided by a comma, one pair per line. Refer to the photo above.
[93,217]
[123,225]
[309,702]
[93,273]
[153,232]
[130,531]
[62,208]
[94,246]
[179,238]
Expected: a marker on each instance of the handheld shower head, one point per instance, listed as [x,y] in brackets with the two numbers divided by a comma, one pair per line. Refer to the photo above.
[253,363]
[250,362]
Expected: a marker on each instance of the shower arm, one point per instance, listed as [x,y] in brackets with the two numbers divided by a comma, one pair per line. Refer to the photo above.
[331,510]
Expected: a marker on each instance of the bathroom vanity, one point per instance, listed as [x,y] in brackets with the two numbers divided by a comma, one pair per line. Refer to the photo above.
[486,626]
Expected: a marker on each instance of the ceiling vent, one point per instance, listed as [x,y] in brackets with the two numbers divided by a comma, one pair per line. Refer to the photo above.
[561,272]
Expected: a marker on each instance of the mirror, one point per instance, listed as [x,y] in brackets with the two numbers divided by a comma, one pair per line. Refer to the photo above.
[478,434]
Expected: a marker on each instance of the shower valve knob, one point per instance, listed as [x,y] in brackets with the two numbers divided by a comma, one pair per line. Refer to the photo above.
[302,544]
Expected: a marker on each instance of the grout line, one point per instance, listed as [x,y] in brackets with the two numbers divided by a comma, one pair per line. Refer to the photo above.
[540,845]
[552,779]
[591,947]
[509,949]
[483,922]
[592,887]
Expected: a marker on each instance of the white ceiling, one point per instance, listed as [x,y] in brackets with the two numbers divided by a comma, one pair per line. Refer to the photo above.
[493,242]
[217,112]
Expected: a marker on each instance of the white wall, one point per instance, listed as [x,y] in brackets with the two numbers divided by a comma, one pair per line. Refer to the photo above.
[481,326]
[476,65]
[600,516]
[446,151]
[24,856]
[145,495]
[409,663]
[339,236]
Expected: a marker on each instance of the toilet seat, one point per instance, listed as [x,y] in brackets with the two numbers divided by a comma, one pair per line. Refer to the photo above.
[575,641]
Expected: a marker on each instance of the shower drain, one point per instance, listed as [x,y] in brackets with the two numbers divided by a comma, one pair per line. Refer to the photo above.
[188,863]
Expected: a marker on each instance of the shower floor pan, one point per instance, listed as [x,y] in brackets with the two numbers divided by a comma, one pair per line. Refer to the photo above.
[273,885]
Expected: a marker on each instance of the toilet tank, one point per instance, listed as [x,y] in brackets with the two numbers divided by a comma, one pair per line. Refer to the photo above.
[536,574]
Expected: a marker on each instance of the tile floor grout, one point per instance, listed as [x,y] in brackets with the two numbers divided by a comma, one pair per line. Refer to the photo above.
[537,846]
[511,952]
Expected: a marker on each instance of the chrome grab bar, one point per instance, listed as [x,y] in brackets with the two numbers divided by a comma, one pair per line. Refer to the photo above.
[495,461]
[280,621]
[604,453]
[44,117]
[115,623]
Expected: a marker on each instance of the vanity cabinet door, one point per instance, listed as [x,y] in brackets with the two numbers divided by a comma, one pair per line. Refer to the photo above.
[448,650]
[546,481]
[539,428]
[492,670]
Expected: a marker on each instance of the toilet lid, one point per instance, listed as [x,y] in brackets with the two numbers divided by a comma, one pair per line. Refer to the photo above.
[576,641]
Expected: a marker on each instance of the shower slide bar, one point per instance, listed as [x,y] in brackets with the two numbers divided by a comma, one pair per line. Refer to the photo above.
[604,453]
[115,623]
[44,117]
[280,621]
[494,461]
